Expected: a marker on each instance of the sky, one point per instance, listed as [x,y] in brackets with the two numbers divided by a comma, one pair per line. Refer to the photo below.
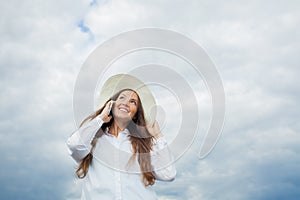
[253,44]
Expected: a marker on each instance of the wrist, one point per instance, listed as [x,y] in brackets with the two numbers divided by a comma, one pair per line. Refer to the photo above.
[100,117]
[158,135]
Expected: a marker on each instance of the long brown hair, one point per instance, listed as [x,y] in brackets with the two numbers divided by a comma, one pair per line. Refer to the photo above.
[140,138]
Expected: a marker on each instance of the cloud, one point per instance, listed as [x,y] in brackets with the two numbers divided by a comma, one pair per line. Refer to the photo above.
[38,65]
[253,45]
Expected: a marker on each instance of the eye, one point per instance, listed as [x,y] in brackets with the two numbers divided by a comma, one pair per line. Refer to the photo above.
[133,102]
[121,97]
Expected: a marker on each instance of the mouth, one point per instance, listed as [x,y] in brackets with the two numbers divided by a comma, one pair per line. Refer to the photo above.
[124,109]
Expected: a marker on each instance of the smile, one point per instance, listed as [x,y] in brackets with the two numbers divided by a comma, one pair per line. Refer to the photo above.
[123,109]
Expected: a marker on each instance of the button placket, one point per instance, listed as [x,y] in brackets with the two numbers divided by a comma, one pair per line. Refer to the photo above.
[117,169]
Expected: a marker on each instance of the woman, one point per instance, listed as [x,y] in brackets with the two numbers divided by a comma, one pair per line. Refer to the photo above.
[118,153]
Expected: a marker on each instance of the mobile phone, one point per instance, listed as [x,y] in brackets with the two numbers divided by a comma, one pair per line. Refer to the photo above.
[110,108]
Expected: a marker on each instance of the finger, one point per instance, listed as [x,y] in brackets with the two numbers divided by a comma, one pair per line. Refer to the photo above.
[155,123]
[148,124]
[108,104]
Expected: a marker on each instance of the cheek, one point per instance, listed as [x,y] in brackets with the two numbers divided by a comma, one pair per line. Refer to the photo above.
[117,101]
[115,106]
[133,109]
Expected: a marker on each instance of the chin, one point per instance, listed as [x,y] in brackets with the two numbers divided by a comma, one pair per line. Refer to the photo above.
[122,117]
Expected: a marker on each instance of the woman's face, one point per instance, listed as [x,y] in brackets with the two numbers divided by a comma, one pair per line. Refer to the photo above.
[125,106]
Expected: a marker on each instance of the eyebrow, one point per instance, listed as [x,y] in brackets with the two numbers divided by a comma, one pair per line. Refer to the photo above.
[130,98]
[134,99]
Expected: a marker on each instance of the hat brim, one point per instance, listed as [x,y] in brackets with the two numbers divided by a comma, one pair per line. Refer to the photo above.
[125,81]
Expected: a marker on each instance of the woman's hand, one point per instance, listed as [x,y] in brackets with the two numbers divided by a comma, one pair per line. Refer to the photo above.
[104,115]
[154,130]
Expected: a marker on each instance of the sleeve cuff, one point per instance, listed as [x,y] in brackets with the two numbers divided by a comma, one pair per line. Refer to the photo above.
[160,143]
[99,120]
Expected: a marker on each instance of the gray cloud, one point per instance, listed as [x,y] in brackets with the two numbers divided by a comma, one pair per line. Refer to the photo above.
[253,44]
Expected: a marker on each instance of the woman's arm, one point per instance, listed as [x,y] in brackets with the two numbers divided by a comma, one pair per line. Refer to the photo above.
[79,143]
[162,161]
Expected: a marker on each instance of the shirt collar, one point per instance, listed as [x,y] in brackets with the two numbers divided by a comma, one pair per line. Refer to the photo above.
[125,132]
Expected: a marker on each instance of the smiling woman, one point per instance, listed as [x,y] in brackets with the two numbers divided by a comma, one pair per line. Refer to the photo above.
[125,105]
[120,154]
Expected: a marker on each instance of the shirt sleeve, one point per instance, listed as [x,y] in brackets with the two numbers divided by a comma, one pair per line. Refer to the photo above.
[79,143]
[162,161]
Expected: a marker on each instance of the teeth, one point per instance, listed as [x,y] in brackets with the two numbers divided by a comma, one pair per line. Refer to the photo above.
[122,109]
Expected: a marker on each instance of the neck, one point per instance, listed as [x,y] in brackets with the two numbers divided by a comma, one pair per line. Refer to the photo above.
[117,127]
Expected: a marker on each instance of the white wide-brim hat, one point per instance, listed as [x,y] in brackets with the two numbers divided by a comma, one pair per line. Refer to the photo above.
[125,81]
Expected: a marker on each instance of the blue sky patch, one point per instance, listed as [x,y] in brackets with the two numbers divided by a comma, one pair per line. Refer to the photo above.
[83,27]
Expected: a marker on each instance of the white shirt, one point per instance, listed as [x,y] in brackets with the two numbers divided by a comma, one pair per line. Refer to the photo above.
[110,175]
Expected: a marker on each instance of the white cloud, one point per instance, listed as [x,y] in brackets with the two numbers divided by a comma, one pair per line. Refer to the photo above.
[253,44]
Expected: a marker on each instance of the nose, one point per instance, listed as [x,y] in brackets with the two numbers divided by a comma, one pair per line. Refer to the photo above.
[125,101]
